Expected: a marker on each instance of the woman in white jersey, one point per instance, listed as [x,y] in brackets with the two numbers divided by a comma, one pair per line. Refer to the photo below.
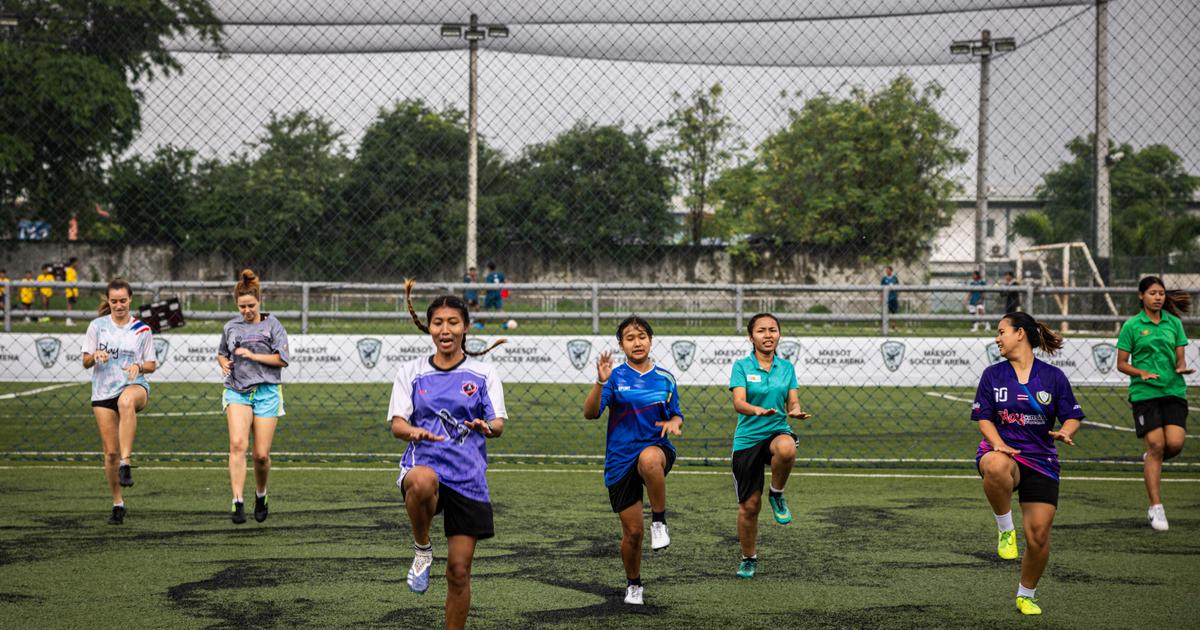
[119,350]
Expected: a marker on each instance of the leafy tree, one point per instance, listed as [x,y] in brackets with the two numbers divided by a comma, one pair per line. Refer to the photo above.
[702,144]
[148,195]
[870,173]
[590,188]
[66,101]
[1150,192]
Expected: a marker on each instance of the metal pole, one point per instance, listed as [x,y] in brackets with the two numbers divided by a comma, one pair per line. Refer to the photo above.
[1103,192]
[739,298]
[304,308]
[472,146]
[884,312]
[8,299]
[981,201]
[595,308]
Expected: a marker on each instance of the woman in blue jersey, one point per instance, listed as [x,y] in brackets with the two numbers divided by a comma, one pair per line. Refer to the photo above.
[643,407]
[765,395]
[252,355]
[119,349]
[1017,405]
[446,407]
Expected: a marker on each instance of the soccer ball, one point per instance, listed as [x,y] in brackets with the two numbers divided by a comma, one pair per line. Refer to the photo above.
[509,325]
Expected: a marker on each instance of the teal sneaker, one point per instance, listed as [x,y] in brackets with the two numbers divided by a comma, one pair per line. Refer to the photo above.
[779,508]
[747,567]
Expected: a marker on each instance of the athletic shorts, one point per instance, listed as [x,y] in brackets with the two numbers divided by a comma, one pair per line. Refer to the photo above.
[1034,487]
[111,403]
[266,399]
[748,463]
[72,299]
[628,490]
[460,516]
[893,307]
[1155,413]
[975,309]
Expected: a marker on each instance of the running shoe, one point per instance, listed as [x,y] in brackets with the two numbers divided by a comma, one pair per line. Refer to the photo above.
[779,508]
[659,538]
[238,513]
[748,567]
[125,475]
[1028,606]
[418,573]
[118,515]
[633,595]
[1006,546]
[1157,517]
[260,508]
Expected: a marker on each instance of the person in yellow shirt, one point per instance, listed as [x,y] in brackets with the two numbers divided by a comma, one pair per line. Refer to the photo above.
[27,295]
[72,293]
[3,296]
[47,275]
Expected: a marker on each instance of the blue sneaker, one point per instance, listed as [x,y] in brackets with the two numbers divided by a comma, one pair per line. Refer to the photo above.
[779,508]
[418,573]
[747,568]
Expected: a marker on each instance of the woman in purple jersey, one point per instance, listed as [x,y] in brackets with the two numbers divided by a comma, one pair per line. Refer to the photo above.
[1017,405]
[446,406]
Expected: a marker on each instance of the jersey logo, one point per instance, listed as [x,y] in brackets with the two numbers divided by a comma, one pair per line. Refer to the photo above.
[1104,356]
[754,378]
[684,352]
[47,350]
[789,350]
[475,346]
[893,354]
[1043,397]
[161,348]
[1145,331]
[578,351]
[469,388]
[368,351]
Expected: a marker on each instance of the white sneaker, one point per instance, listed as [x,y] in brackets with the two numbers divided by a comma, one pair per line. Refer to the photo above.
[633,595]
[1158,518]
[418,574]
[69,322]
[659,538]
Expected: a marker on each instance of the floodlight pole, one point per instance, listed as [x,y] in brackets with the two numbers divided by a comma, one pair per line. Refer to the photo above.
[472,145]
[1100,149]
[981,195]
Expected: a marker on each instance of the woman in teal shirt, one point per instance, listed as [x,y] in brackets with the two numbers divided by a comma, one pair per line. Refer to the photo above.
[1151,350]
[763,387]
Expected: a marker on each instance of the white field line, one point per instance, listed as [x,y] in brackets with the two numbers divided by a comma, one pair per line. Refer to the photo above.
[40,390]
[1090,422]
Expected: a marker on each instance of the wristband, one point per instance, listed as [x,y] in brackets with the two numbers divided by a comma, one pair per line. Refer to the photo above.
[600,382]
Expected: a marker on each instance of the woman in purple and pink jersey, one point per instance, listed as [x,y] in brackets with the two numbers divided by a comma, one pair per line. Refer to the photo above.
[1017,405]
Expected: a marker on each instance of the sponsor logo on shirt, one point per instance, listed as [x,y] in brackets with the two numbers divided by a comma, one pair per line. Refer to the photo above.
[469,388]
[47,350]
[976,406]
[368,351]
[1104,355]
[1145,331]
[754,378]
[684,352]
[893,354]
[578,351]
[1023,419]
[161,349]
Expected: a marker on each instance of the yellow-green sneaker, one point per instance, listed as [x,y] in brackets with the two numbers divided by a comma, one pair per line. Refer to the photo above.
[1028,606]
[1006,546]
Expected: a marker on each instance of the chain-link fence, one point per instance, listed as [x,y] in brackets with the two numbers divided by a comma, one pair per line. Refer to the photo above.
[693,162]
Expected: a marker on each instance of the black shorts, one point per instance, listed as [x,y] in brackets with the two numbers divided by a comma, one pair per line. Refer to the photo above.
[1155,413]
[1034,487]
[893,307]
[748,463]
[72,300]
[111,403]
[462,516]
[628,490]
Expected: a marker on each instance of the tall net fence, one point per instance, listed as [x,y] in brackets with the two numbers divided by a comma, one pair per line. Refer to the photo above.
[691,162]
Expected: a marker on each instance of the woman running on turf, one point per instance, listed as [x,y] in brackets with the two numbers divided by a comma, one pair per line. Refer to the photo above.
[119,350]
[764,386]
[446,407]
[252,355]
[643,407]
[1151,350]
[1017,405]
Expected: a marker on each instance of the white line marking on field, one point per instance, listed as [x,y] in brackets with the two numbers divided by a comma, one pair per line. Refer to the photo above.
[1091,422]
[948,397]
[39,390]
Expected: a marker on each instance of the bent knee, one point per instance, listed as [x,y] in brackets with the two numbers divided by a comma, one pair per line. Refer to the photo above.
[750,507]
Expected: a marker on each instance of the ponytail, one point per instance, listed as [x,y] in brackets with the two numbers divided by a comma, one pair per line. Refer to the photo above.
[445,301]
[248,285]
[116,284]
[1039,335]
[1176,303]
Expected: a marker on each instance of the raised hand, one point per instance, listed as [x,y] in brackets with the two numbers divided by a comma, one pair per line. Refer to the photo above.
[100,356]
[604,366]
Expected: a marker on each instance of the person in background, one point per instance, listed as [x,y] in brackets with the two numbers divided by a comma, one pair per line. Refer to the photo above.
[1012,299]
[975,301]
[493,299]
[72,293]
[3,295]
[893,300]
[26,295]
[47,275]
[471,296]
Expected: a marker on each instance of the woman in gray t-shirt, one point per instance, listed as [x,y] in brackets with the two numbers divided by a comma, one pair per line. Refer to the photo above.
[252,354]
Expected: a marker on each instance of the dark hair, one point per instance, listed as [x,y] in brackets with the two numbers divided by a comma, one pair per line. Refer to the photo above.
[1039,335]
[758,316]
[491,265]
[445,301]
[115,284]
[72,260]
[634,320]
[1177,302]
[248,285]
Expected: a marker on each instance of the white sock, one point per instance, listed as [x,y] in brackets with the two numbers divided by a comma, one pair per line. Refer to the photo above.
[124,462]
[1025,592]
[260,494]
[425,550]
[776,490]
[121,504]
[238,500]
[1156,505]
[1004,521]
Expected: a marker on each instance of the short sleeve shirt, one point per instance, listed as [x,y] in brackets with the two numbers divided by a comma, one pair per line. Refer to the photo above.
[764,388]
[1151,347]
[125,345]
[264,337]
[977,296]
[635,402]
[891,280]
[1025,414]
[441,402]
[46,277]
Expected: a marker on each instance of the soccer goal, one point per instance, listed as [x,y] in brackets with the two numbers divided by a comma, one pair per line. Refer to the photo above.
[1053,266]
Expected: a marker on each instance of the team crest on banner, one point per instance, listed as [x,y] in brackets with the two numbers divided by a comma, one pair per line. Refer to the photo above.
[475,345]
[893,354]
[684,352]
[789,350]
[993,352]
[161,348]
[1104,355]
[369,350]
[578,351]
[1043,397]
[47,350]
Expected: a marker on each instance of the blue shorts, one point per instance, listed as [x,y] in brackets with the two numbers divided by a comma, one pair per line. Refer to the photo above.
[265,399]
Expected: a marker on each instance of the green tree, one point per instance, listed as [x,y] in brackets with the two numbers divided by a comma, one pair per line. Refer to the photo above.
[1150,192]
[590,188]
[66,101]
[702,143]
[868,174]
[148,195]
